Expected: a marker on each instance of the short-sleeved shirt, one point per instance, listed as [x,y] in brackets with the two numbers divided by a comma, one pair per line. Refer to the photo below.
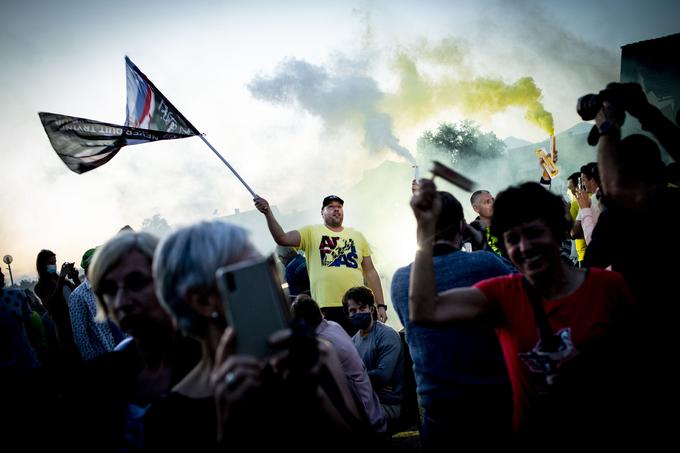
[333,261]
[580,244]
[583,317]
[382,353]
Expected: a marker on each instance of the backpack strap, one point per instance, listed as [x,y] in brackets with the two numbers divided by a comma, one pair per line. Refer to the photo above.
[549,342]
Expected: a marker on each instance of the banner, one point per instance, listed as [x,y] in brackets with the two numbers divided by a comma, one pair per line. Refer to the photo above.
[147,108]
[84,145]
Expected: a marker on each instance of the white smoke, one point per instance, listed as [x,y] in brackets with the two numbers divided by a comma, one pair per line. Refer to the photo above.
[341,100]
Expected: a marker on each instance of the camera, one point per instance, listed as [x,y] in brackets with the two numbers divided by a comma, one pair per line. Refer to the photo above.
[617,94]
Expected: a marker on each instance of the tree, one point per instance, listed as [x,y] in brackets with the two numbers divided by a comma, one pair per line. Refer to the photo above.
[460,144]
[27,284]
[156,225]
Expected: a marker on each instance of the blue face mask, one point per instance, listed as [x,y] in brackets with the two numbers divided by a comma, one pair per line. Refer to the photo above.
[361,320]
[52,268]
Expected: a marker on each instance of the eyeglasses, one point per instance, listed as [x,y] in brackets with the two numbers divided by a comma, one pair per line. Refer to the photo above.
[134,282]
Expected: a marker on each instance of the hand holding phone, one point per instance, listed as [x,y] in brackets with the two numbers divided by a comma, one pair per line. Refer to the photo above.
[255,304]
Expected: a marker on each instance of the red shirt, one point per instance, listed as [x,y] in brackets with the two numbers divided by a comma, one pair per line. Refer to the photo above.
[587,313]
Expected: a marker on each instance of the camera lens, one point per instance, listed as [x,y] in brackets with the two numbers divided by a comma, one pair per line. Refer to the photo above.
[587,106]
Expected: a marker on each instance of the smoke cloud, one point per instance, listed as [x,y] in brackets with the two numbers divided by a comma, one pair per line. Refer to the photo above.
[420,97]
[340,100]
[569,59]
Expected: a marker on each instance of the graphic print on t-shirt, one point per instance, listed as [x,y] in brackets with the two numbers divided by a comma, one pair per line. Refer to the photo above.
[336,252]
[548,362]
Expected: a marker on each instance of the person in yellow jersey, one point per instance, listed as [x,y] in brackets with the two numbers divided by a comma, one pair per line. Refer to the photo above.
[576,231]
[338,258]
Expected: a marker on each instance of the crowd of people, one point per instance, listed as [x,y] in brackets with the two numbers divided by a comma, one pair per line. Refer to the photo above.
[541,322]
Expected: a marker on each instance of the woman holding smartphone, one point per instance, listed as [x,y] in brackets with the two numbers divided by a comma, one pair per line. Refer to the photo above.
[232,399]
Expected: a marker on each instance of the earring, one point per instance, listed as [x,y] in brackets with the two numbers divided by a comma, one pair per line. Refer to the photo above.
[214,315]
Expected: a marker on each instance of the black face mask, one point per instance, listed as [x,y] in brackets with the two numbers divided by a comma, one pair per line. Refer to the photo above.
[361,320]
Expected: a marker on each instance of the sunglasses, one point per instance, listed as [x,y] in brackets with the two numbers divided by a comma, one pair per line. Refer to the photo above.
[134,282]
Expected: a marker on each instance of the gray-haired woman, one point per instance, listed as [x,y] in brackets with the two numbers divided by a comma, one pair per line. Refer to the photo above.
[255,398]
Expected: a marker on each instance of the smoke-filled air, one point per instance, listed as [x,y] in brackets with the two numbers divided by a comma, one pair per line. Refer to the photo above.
[420,97]
[340,99]
[303,99]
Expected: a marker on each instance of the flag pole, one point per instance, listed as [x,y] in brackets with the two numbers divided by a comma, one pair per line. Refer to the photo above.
[227,164]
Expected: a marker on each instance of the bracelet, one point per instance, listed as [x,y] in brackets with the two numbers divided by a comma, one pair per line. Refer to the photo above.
[383,306]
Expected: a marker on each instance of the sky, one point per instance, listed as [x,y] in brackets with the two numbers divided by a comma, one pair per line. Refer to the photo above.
[301,97]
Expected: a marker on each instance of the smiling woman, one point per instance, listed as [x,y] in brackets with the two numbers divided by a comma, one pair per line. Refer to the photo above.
[143,370]
[532,223]
[560,378]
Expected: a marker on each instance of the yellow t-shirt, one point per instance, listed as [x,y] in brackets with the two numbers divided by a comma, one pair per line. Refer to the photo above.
[333,261]
[580,244]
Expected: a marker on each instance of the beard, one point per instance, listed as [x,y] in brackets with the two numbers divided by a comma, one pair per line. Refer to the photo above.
[333,221]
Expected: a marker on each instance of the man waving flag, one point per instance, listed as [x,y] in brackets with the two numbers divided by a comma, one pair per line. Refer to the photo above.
[84,145]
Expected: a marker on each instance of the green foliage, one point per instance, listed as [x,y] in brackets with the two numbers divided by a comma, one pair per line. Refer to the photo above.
[156,225]
[27,284]
[461,143]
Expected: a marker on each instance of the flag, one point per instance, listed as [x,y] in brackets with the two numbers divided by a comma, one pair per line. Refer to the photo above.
[84,145]
[147,108]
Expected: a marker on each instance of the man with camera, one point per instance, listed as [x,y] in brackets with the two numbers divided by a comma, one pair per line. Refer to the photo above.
[634,188]
[638,201]
[338,258]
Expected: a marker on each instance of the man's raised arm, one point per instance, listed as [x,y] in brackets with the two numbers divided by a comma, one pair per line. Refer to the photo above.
[373,282]
[425,305]
[290,238]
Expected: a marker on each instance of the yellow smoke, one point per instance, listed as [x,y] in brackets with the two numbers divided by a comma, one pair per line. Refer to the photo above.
[447,52]
[487,96]
[414,99]
[419,98]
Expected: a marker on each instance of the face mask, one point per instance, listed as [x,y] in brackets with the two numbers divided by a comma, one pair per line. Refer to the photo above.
[52,268]
[361,320]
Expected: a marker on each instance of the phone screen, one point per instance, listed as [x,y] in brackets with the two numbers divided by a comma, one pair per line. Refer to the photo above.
[254,303]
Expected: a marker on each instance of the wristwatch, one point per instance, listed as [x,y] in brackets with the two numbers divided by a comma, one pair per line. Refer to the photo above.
[383,306]
[606,127]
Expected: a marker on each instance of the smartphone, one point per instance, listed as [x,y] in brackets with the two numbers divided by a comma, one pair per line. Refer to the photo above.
[581,184]
[255,304]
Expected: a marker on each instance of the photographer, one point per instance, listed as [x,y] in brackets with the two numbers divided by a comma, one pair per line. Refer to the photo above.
[639,203]
[54,291]
[635,191]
